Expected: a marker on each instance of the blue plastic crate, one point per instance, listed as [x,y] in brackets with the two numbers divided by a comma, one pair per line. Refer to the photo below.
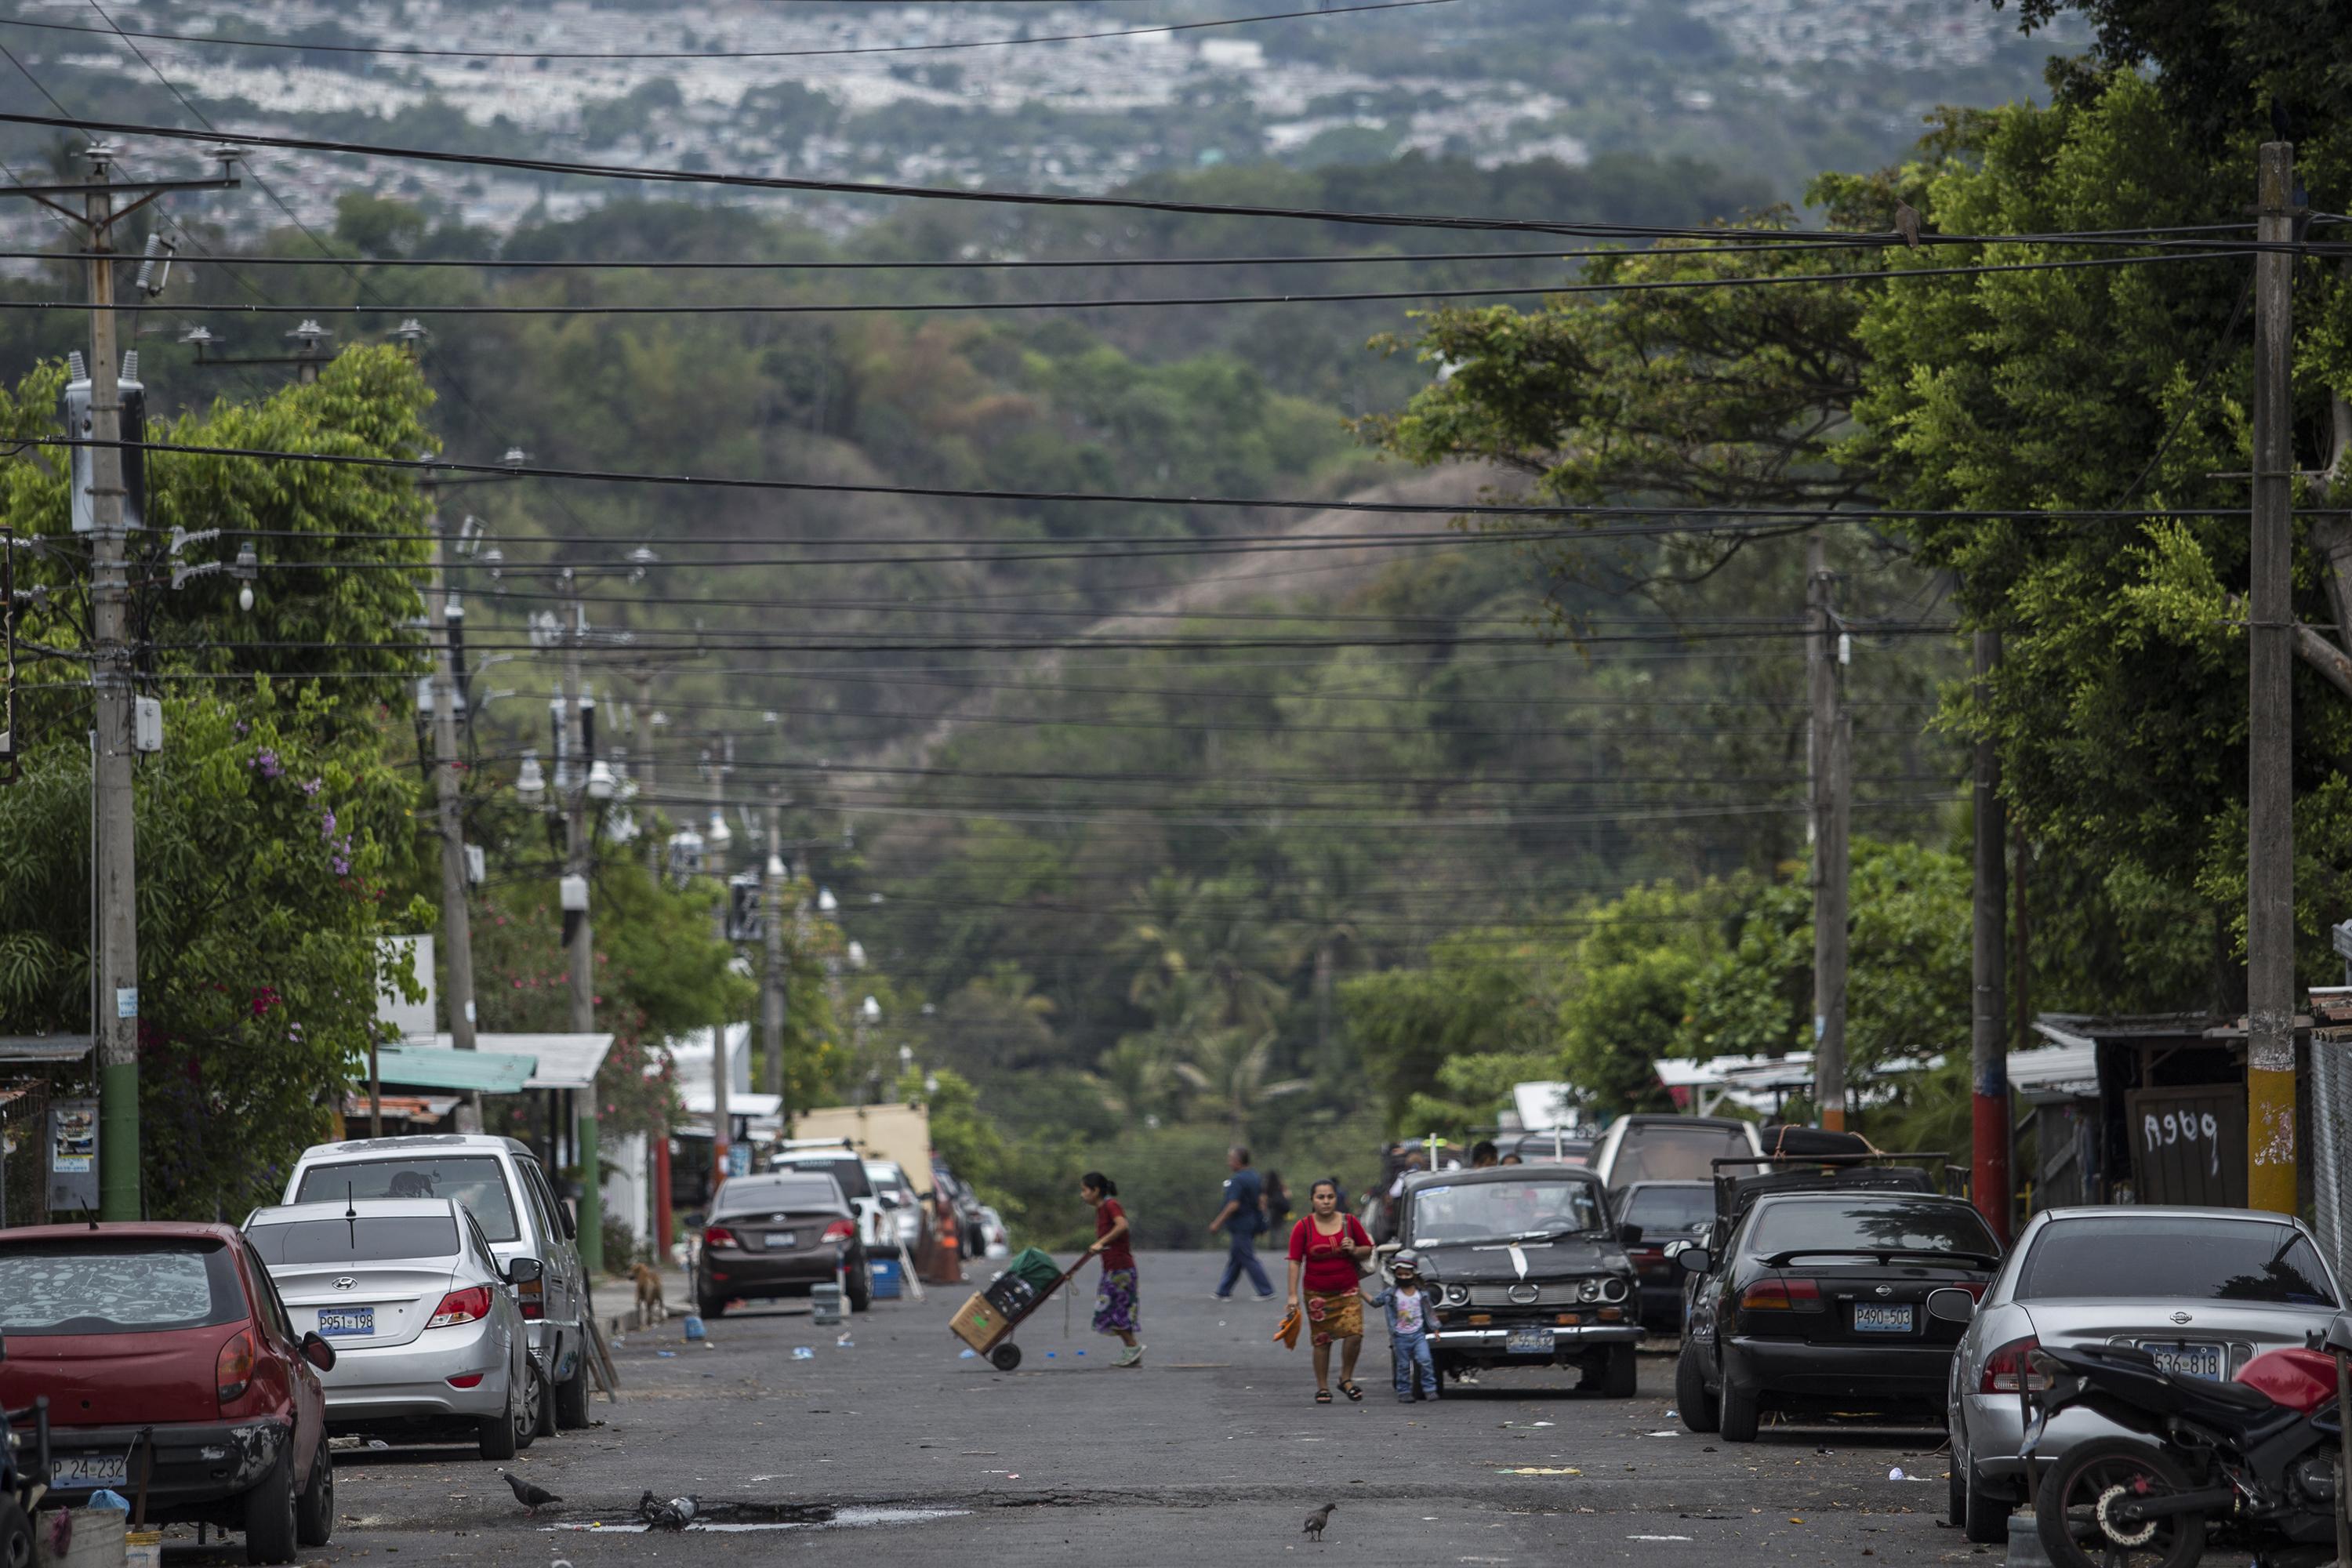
[887,1277]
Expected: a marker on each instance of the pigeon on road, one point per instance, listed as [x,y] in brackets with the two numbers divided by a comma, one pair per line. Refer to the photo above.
[531,1498]
[1317,1520]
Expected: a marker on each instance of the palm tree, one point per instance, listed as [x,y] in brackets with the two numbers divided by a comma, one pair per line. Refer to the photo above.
[1136,1078]
[1232,1065]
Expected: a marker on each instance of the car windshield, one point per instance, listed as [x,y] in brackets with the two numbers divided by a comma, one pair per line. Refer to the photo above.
[117,1285]
[475,1180]
[2168,1257]
[1869,1225]
[1499,1211]
[1659,1152]
[355,1241]
[743,1196]
[1669,1207]
[848,1171]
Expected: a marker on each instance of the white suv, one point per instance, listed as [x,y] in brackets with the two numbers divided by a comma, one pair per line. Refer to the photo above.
[501,1180]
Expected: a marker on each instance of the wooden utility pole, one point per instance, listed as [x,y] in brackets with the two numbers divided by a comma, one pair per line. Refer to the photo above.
[1988,1021]
[1831,760]
[2269,663]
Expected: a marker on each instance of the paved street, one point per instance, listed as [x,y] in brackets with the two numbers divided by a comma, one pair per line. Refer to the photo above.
[1211,1450]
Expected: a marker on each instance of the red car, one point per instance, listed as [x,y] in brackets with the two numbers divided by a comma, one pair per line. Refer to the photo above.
[167,1358]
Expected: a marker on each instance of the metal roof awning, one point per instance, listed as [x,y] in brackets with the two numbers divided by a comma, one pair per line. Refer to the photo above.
[468,1072]
[43,1049]
[702,1101]
[2059,1068]
[558,1061]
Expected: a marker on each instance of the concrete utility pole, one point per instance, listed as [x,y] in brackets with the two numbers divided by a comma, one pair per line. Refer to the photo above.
[1831,769]
[643,723]
[2269,663]
[457,918]
[714,850]
[117,1028]
[772,990]
[1989,1022]
[580,932]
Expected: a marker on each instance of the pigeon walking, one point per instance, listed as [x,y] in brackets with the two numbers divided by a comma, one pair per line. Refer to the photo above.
[531,1498]
[675,1514]
[1317,1520]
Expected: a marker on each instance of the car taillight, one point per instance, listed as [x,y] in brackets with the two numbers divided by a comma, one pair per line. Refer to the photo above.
[1781,1296]
[467,1380]
[233,1368]
[2009,1369]
[467,1306]
[531,1297]
[719,1236]
[841,1230]
[1646,1253]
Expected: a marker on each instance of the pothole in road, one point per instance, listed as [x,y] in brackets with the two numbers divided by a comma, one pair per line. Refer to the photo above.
[737,1518]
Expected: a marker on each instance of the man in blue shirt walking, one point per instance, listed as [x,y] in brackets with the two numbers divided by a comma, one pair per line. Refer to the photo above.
[1241,1219]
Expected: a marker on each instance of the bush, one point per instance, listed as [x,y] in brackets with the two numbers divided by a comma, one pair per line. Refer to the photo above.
[620,1245]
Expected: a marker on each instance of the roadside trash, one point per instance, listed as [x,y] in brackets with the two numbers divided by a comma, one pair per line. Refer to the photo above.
[378,1443]
[1897,1475]
[694,1330]
[105,1498]
[1674,1413]
[1541,1471]
[825,1304]
[802,1353]
[1049,1355]
[1666,1434]
[1657,1538]
[845,1342]
[968,1355]
[667,1355]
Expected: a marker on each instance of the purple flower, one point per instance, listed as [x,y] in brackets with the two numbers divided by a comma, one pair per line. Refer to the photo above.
[266,761]
[313,786]
[326,826]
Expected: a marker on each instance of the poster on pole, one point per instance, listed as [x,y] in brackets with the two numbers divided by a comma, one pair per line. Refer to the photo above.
[73,1155]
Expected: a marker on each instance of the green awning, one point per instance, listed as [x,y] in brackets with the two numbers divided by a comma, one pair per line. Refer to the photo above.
[425,1066]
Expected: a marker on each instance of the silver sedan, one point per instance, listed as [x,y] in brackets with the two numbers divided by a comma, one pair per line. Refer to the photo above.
[2203,1290]
[429,1338]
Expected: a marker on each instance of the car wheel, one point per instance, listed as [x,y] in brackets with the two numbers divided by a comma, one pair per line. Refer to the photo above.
[711,1306]
[1740,1414]
[531,1414]
[861,1285]
[1696,1405]
[314,1511]
[269,1514]
[2086,1479]
[1622,1373]
[500,1435]
[571,1396]
[15,1537]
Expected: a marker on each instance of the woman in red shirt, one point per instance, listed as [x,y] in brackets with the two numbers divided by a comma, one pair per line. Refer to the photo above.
[1324,1249]
[1116,1307]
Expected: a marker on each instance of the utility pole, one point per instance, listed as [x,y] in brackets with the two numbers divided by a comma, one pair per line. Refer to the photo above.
[1989,1022]
[714,841]
[642,721]
[1831,758]
[457,918]
[2270,662]
[590,782]
[771,992]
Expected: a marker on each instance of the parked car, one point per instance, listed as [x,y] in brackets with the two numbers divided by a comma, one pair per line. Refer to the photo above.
[902,1208]
[166,1356]
[428,1334]
[2202,1291]
[1818,1301]
[995,1238]
[23,1467]
[780,1233]
[875,1230]
[1672,1214]
[1669,1148]
[951,1189]
[499,1180]
[1526,1267]
[1546,1148]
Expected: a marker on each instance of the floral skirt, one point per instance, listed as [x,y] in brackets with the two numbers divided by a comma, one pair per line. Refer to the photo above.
[1335,1315]
[1115,1302]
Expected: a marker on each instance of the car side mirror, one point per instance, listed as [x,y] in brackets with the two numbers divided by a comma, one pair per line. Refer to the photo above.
[318,1351]
[523,1270]
[1694,1260]
[1630,1234]
[1951,1305]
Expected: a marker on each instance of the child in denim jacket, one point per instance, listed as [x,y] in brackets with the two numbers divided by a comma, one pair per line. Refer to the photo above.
[1408,1310]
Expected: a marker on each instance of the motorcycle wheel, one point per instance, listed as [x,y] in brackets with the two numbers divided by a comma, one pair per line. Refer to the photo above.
[2070,1512]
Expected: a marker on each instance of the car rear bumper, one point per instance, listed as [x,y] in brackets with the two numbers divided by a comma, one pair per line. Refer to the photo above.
[736,1275]
[370,1382]
[197,1463]
[1858,1373]
[1993,1426]
[1487,1343]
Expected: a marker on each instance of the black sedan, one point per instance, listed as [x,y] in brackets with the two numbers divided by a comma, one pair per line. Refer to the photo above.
[1526,1267]
[780,1233]
[1817,1302]
[1668,1213]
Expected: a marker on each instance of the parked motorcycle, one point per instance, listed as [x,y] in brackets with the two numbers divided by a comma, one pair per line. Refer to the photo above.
[2257,1455]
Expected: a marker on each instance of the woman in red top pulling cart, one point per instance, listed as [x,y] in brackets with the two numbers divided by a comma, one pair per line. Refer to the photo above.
[1117,1311]
[1325,1248]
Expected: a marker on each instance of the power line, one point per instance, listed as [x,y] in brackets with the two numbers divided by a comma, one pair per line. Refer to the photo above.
[399,50]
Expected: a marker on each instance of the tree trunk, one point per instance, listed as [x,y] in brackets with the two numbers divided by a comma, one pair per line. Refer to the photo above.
[2323,656]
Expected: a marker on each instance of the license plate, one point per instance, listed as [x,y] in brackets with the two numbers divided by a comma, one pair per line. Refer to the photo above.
[90,1470]
[335,1322]
[786,1239]
[1527,1342]
[2186,1361]
[1870,1317]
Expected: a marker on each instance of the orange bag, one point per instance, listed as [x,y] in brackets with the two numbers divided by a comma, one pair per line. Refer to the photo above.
[1288,1331]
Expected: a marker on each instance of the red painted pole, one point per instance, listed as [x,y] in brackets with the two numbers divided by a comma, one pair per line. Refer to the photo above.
[661,1192]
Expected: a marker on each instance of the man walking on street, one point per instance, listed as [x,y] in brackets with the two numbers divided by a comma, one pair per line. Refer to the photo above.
[1241,1219]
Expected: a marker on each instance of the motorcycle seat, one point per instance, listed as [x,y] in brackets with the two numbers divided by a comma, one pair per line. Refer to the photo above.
[2237,1394]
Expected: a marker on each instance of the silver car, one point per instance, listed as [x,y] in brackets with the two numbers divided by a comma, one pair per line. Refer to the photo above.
[428,1338]
[2203,1290]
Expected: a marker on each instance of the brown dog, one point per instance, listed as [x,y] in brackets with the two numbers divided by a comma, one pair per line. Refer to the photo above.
[651,1308]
